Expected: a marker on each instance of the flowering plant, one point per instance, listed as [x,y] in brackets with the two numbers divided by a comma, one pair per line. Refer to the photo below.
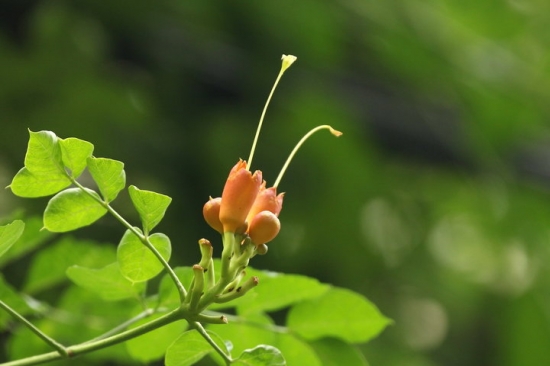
[182,317]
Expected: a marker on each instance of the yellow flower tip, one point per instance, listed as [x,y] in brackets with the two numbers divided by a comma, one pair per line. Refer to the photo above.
[287,61]
[335,132]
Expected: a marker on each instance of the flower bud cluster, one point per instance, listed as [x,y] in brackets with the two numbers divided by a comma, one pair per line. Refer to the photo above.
[246,206]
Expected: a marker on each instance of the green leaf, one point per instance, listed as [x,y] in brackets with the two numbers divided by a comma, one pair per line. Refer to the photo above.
[152,346]
[50,264]
[261,355]
[277,290]
[189,348]
[151,206]
[107,282]
[43,174]
[137,262]
[43,152]
[32,238]
[296,351]
[168,295]
[9,234]
[339,313]
[109,176]
[31,185]
[247,332]
[334,352]
[74,153]
[72,209]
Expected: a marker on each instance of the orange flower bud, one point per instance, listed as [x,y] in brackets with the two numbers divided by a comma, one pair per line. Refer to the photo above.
[211,213]
[267,200]
[264,227]
[238,196]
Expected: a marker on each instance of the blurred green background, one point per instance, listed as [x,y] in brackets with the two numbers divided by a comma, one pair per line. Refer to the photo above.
[434,204]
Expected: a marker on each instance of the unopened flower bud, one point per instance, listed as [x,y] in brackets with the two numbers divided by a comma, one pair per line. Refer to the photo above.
[264,227]
[211,213]
[239,194]
[267,200]
[261,249]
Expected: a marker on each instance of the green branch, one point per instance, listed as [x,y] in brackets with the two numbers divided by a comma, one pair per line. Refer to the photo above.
[61,350]
[90,346]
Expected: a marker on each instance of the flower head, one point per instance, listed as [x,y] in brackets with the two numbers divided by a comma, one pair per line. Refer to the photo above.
[238,196]
[267,200]
[247,208]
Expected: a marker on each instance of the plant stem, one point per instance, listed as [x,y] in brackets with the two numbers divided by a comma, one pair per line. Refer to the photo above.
[145,240]
[61,350]
[225,277]
[297,147]
[198,326]
[90,346]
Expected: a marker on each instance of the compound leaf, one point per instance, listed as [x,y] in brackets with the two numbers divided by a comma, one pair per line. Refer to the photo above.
[190,348]
[44,173]
[74,153]
[279,290]
[49,265]
[107,282]
[137,262]
[72,209]
[151,206]
[109,176]
[334,352]
[44,153]
[338,313]
[31,239]
[9,234]
[37,184]
[261,355]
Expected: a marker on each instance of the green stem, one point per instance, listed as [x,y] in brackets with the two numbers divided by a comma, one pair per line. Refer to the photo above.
[90,346]
[225,277]
[284,66]
[198,287]
[145,240]
[227,253]
[198,326]
[61,350]
[297,147]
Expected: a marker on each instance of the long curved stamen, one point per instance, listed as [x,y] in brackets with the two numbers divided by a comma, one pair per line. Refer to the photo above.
[287,61]
[299,144]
